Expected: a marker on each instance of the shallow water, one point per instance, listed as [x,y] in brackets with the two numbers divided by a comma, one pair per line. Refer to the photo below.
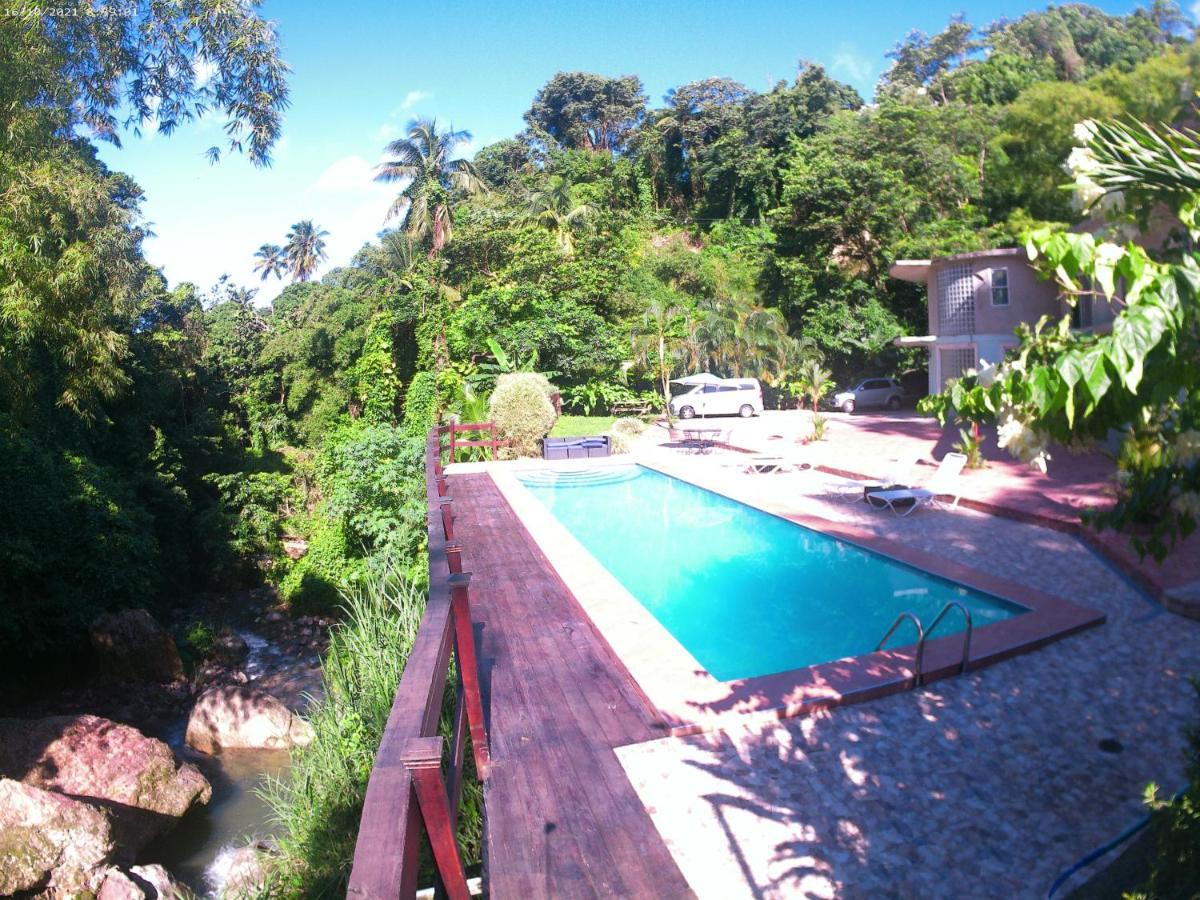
[236,815]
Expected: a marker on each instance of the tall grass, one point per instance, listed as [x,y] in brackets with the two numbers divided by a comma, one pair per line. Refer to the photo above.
[319,802]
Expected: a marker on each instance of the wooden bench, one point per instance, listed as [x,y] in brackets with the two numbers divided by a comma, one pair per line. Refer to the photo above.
[632,408]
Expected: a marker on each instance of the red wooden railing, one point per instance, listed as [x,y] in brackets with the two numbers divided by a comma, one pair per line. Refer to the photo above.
[406,794]
[488,428]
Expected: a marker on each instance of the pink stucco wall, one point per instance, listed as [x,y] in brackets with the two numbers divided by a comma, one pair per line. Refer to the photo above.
[1029,298]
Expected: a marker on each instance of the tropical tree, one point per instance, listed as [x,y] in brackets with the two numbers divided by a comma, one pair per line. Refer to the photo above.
[813,382]
[271,261]
[585,111]
[657,340]
[304,250]
[554,208]
[426,204]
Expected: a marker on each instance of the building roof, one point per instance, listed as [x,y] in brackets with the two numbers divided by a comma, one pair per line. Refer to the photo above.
[917,270]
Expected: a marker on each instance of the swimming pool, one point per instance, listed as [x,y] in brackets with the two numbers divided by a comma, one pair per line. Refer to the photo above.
[744,592]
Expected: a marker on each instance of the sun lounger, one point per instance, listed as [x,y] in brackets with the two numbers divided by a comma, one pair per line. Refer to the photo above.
[944,482]
[770,465]
[855,489]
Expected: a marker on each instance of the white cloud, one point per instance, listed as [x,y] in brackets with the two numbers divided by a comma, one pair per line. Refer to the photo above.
[852,65]
[1195,8]
[412,98]
[387,131]
[350,173]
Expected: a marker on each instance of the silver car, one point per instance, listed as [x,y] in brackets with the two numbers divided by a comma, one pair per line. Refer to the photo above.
[882,392]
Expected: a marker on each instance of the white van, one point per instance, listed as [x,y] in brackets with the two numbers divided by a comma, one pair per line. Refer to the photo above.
[708,395]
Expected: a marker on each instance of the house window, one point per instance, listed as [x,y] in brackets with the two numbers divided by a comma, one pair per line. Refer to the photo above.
[954,362]
[999,287]
[956,300]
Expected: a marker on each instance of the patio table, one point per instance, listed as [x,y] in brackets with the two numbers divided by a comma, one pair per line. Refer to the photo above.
[701,439]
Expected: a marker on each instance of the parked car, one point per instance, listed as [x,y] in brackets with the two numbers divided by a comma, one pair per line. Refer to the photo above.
[708,395]
[885,392]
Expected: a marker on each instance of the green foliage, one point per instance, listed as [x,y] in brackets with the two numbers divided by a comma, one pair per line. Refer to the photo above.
[1175,823]
[818,426]
[521,408]
[584,111]
[319,803]
[970,444]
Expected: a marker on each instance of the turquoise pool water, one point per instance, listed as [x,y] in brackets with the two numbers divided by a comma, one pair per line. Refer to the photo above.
[745,592]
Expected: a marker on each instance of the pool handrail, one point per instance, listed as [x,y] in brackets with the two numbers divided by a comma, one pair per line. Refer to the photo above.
[910,616]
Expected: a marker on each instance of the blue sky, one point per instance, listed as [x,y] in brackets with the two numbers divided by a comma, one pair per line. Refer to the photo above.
[361,71]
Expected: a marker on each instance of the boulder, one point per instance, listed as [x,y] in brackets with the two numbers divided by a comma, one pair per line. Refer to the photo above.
[238,872]
[234,716]
[156,883]
[50,843]
[132,646]
[119,886]
[230,648]
[139,883]
[136,778]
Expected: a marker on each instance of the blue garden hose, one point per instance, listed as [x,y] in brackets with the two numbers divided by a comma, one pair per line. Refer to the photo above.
[1104,848]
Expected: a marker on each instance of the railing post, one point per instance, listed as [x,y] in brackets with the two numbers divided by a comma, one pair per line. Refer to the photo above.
[493,439]
[447,517]
[468,669]
[422,757]
[454,557]
[443,486]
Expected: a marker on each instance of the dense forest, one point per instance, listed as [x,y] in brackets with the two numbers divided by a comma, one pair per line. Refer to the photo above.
[160,440]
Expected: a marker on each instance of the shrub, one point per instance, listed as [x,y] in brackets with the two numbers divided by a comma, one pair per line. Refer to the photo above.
[521,408]
[623,434]
[319,802]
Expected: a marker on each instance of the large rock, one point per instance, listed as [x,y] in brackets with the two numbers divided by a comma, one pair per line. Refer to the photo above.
[132,646]
[139,883]
[50,843]
[135,777]
[234,716]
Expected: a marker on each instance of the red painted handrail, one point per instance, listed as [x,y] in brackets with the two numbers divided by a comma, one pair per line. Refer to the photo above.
[406,793]
[488,428]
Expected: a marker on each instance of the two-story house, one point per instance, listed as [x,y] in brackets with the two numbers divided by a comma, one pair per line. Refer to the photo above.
[976,301]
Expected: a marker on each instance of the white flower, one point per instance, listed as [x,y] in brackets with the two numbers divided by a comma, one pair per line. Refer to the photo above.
[1022,441]
[1187,446]
[986,373]
[1085,131]
[1082,165]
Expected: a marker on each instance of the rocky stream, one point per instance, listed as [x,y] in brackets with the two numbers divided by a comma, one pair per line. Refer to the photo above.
[143,781]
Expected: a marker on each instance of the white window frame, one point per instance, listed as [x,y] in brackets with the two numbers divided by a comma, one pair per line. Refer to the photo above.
[1007,288]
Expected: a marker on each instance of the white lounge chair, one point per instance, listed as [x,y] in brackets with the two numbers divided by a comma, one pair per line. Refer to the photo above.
[943,482]
[770,465]
[852,489]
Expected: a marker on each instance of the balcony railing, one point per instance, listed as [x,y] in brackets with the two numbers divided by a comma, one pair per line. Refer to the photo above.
[407,795]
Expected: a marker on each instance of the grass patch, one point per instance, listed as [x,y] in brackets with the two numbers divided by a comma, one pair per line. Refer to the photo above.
[319,802]
[582,426]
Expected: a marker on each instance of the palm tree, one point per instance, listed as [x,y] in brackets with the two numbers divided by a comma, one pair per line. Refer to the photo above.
[426,203]
[271,261]
[555,210]
[305,249]
[656,343]
[813,381]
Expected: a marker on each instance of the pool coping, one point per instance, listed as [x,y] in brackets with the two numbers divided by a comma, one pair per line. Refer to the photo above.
[691,700]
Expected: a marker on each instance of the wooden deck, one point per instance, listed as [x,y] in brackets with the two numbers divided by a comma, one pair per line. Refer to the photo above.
[562,818]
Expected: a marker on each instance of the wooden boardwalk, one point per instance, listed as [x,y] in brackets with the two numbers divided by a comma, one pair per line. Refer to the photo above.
[562,818]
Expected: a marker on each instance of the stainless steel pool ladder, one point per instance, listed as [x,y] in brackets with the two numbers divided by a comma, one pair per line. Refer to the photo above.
[923,635]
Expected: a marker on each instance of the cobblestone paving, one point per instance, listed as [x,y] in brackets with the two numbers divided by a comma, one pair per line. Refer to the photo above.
[988,785]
